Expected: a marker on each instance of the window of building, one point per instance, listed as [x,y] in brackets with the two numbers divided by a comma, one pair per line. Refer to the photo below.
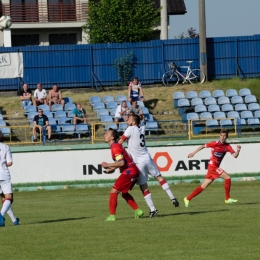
[25,40]
[61,10]
[57,39]
[24,10]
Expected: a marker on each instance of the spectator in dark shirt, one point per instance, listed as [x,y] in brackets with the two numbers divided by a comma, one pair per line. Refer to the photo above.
[136,109]
[25,96]
[41,121]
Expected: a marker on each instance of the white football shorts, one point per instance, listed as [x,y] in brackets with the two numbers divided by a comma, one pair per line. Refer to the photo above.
[145,169]
[6,187]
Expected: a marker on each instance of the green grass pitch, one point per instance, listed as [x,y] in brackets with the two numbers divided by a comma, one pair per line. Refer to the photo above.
[69,224]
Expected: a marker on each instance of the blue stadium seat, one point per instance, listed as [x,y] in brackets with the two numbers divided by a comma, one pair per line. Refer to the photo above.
[244,92]
[237,100]
[82,129]
[67,129]
[128,104]
[49,114]
[145,110]
[56,107]
[191,94]
[233,114]
[140,103]
[29,109]
[246,114]
[176,96]
[257,113]
[204,94]
[52,121]
[196,101]
[69,107]
[212,123]
[44,108]
[253,106]
[200,109]
[120,98]
[206,115]
[113,111]
[102,112]
[192,116]
[227,108]
[31,115]
[183,102]
[213,108]
[70,114]
[67,100]
[218,93]
[241,121]
[59,114]
[240,107]
[231,92]
[223,100]
[94,99]
[253,121]
[1,116]
[64,121]
[106,119]
[226,122]
[250,99]
[151,126]
[150,117]
[111,125]
[122,127]
[54,127]
[210,101]
[111,104]
[6,131]
[219,115]
[107,99]
[98,105]
[2,122]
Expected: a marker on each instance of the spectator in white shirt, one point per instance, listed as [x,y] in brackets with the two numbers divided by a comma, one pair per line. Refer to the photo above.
[122,112]
[40,96]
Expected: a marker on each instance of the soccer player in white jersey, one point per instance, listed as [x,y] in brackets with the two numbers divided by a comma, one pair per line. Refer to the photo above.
[135,134]
[6,190]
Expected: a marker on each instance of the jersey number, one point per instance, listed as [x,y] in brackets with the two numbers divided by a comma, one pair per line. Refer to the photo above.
[142,144]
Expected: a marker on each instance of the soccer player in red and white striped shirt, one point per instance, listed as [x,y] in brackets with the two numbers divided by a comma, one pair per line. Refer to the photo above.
[218,151]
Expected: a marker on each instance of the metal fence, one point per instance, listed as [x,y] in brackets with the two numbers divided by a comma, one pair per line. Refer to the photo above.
[72,66]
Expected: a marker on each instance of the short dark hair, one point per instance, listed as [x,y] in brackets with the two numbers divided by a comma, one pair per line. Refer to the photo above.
[135,78]
[115,134]
[224,131]
[136,119]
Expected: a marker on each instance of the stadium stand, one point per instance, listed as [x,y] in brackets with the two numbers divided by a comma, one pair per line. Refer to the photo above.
[49,114]
[192,116]
[206,115]
[253,106]
[176,96]
[151,126]
[106,119]
[253,121]
[223,100]
[231,92]
[31,115]
[227,108]
[29,109]
[237,100]
[191,94]
[69,107]
[244,92]
[111,104]
[107,99]
[250,99]
[94,99]
[56,107]
[58,114]
[218,93]
[102,112]
[67,100]
[212,123]
[240,107]
[196,101]
[2,122]
[44,108]
[120,98]
[204,94]
[257,114]
[200,109]
[98,105]
[219,115]
[210,101]
[246,114]
[64,121]
[213,108]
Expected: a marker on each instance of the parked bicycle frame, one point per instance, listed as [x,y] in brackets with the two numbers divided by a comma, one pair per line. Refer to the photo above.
[172,77]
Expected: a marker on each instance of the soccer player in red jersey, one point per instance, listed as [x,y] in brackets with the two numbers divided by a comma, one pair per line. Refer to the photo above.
[218,151]
[126,180]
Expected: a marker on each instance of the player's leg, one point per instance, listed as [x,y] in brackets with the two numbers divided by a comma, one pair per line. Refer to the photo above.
[197,191]
[153,171]
[112,204]
[48,128]
[142,182]
[10,212]
[227,186]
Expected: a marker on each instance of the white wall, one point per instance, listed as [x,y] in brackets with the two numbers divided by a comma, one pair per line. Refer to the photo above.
[68,165]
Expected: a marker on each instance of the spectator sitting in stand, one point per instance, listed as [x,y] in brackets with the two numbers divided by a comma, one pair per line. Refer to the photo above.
[25,96]
[135,91]
[137,110]
[40,96]
[122,112]
[55,96]
[41,121]
[79,115]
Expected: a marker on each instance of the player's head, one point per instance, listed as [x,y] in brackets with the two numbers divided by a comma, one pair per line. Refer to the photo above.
[1,136]
[223,135]
[111,136]
[135,80]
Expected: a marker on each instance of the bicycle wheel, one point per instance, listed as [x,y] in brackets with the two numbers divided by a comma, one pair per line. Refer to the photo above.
[196,76]
[170,78]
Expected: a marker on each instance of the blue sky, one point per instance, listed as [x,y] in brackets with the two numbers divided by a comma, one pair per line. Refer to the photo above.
[223,18]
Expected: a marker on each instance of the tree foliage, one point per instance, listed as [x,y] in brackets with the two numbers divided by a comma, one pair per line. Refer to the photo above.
[121,21]
[191,33]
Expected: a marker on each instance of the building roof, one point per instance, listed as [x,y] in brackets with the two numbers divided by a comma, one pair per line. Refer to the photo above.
[174,6]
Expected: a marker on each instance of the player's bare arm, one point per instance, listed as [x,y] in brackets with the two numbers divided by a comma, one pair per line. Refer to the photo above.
[115,165]
[197,150]
[8,164]
[235,155]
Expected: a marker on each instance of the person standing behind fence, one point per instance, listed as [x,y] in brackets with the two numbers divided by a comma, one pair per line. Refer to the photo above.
[25,96]
[6,189]
[40,96]
[135,91]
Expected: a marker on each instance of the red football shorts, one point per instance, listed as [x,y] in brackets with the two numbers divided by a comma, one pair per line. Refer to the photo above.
[213,173]
[126,182]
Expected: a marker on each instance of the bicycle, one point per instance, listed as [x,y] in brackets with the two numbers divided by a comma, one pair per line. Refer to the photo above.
[173,76]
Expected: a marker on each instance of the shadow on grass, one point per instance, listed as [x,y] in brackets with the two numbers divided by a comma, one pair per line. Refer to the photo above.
[59,220]
[151,103]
